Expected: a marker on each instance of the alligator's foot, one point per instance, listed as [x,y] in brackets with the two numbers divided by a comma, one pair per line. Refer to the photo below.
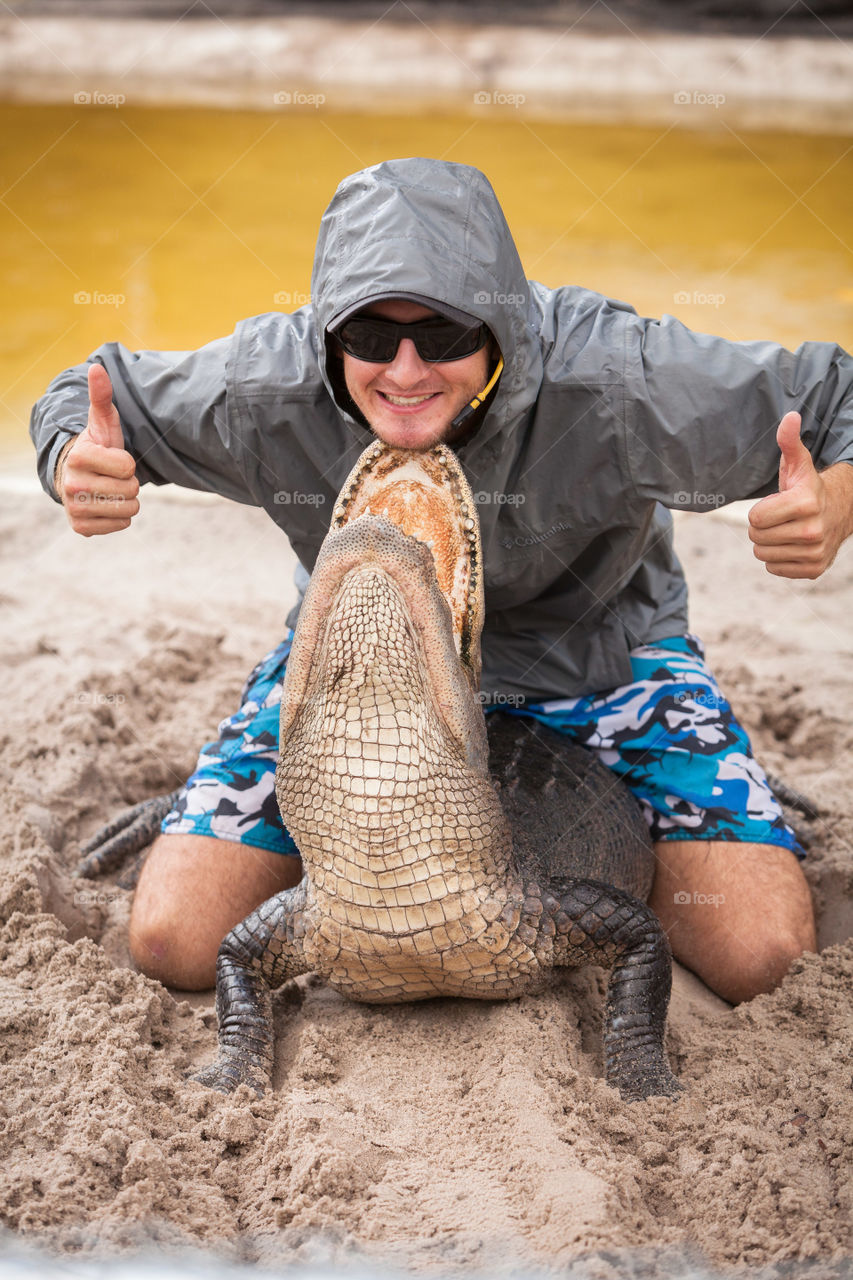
[640,1072]
[637,998]
[793,799]
[230,1070]
[599,924]
[130,878]
[127,834]
[796,801]
[258,954]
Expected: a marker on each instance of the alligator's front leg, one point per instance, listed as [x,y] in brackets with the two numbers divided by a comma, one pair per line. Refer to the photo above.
[597,924]
[261,953]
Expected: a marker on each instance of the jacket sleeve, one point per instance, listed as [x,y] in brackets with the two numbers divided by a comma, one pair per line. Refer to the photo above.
[173,407]
[700,413]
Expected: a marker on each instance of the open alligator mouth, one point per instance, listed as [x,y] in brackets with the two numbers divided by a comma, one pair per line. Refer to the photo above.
[427,496]
[393,613]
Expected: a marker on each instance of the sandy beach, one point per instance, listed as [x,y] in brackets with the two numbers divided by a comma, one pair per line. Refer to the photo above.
[444,1136]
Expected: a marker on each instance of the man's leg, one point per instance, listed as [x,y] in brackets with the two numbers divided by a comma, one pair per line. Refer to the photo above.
[731,894]
[737,914]
[192,891]
[224,849]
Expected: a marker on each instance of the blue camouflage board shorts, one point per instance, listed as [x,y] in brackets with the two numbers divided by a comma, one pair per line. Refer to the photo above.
[670,735]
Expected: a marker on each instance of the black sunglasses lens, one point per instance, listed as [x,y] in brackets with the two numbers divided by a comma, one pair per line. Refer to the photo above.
[448,341]
[366,339]
[436,340]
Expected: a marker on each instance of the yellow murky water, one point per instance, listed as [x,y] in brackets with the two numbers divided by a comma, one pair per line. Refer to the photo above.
[161,228]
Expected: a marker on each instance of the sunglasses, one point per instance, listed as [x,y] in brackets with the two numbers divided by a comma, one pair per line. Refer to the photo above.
[436,339]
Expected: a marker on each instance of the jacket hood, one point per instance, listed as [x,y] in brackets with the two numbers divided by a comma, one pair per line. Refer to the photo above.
[435,229]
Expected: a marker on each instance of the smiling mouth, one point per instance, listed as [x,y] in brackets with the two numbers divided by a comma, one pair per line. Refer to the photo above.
[407,402]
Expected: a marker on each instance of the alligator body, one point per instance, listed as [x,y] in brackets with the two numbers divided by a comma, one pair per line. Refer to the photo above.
[440,859]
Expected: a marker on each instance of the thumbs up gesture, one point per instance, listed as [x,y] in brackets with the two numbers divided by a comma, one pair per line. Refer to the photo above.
[797,531]
[96,476]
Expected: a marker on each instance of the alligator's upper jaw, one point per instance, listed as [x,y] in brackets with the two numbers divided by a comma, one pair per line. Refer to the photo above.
[420,562]
[427,496]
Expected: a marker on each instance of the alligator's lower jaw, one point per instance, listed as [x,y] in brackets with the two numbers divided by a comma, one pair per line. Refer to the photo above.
[427,497]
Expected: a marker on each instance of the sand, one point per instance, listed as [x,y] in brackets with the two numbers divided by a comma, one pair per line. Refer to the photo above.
[445,1136]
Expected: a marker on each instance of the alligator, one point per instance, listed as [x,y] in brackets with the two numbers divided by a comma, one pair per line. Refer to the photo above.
[425,873]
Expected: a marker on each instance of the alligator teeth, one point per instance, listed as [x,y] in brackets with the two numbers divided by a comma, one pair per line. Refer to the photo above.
[375,472]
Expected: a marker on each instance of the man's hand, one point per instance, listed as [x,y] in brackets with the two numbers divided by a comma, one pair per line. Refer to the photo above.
[797,531]
[96,477]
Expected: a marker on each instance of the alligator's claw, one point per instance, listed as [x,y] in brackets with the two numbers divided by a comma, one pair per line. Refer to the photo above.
[793,799]
[646,1077]
[229,1071]
[128,833]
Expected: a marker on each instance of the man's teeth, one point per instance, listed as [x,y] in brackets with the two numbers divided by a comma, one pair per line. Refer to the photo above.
[407,400]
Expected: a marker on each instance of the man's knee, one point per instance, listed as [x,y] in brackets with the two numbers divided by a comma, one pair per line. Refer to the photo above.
[737,915]
[756,965]
[172,949]
[192,891]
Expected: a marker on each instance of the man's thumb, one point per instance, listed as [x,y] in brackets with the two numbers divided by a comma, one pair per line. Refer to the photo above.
[104,426]
[796,458]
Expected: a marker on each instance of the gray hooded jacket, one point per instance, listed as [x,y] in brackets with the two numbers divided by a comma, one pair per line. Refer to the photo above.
[600,421]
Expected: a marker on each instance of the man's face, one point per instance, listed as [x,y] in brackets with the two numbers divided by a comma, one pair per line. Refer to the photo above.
[409,403]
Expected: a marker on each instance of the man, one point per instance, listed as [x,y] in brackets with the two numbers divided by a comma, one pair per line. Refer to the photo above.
[596,423]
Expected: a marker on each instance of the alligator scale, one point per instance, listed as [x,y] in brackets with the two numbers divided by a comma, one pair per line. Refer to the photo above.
[425,873]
